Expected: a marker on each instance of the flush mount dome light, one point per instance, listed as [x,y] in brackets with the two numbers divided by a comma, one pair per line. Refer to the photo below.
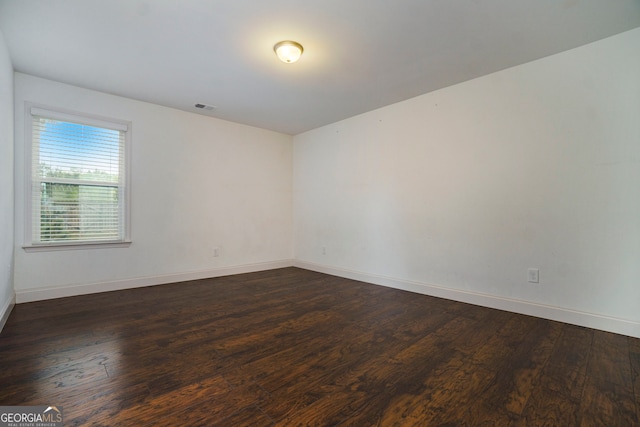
[288,51]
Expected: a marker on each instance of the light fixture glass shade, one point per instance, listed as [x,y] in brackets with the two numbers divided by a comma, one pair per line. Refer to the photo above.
[288,51]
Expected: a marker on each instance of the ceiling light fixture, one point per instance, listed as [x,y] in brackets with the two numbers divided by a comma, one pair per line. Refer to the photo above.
[288,51]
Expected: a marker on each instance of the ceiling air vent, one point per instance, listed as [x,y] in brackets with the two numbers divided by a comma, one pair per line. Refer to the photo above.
[205,107]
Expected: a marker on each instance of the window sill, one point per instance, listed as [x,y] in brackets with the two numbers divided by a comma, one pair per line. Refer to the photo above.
[76,245]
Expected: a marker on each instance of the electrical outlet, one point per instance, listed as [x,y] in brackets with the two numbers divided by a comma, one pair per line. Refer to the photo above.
[533,275]
[216,252]
[324,250]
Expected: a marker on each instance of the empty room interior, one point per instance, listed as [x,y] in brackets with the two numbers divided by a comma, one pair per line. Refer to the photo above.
[413,213]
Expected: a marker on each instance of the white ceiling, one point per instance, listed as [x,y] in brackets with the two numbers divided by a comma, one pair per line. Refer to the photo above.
[359,54]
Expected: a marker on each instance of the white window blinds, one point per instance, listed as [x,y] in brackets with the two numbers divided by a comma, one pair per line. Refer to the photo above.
[78,179]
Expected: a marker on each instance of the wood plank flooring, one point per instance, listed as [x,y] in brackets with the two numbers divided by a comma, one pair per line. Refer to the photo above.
[291,347]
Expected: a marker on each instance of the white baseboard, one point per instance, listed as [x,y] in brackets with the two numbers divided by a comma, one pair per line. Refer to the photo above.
[30,295]
[574,317]
[5,311]
[560,314]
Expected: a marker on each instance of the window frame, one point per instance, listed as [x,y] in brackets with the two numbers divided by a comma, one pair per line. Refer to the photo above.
[55,113]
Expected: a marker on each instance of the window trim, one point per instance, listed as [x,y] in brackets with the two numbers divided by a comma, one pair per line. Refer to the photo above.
[62,114]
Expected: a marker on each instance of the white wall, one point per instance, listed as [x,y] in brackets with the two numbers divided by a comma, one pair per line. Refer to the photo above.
[197,183]
[458,192]
[6,183]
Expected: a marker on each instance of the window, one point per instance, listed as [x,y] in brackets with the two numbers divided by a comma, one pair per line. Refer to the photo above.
[78,179]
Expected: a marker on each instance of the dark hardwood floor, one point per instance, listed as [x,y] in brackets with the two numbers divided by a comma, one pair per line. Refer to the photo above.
[294,347]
